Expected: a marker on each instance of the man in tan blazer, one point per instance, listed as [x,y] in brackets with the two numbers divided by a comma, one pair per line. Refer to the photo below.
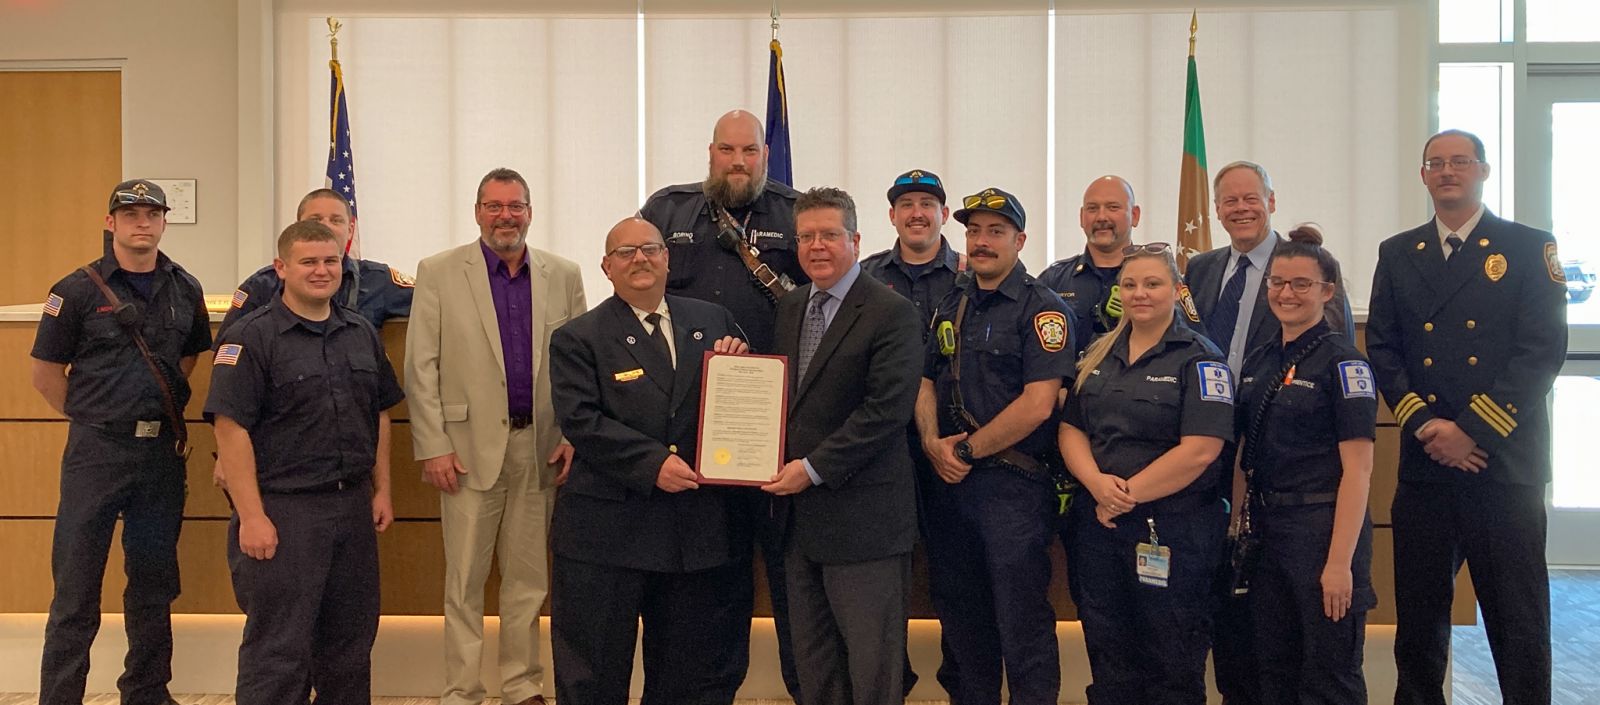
[478,383]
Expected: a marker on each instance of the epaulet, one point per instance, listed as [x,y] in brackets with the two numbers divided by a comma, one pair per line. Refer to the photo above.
[781,189]
[876,256]
[679,188]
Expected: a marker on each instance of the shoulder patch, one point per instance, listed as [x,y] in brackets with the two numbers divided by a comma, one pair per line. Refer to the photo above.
[1051,327]
[239,297]
[1186,302]
[1552,262]
[228,354]
[52,304]
[401,279]
[1355,376]
[1216,381]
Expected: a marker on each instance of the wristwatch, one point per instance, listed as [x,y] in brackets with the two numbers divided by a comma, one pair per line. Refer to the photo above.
[964,452]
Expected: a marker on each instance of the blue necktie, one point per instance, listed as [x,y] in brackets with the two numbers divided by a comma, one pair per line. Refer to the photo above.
[1454,241]
[811,335]
[1226,315]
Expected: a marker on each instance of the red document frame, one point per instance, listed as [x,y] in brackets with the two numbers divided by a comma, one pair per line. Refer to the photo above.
[704,455]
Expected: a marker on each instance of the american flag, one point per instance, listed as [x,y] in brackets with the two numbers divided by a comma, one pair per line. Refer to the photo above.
[229,354]
[341,163]
[53,304]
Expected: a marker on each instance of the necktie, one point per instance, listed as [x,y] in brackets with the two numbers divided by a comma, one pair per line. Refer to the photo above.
[811,335]
[1454,242]
[1226,314]
[658,340]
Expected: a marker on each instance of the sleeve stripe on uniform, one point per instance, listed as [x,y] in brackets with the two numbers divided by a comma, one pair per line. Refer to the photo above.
[1409,404]
[1493,415]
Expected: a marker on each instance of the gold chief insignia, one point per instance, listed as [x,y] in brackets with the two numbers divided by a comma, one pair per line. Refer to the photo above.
[1495,267]
[629,375]
[401,279]
[1051,327]
[1552,262]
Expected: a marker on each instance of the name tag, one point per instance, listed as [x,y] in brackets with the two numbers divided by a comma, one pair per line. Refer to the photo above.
[629,375]
[1154,564]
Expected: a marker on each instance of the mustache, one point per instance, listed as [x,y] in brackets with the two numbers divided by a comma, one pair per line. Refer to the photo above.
[982,251]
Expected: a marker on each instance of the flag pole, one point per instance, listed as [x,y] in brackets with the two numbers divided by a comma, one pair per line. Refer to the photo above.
[334,26]
[1194,29]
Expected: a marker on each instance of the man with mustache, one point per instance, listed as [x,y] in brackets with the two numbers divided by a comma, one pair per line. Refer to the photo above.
[1087,282]
[999,352]
[702,268]
[478,377]
[923,267]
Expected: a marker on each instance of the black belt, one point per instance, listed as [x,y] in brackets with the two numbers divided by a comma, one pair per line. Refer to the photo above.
[323,488]
[132,429]
[521,421]
[1293,499]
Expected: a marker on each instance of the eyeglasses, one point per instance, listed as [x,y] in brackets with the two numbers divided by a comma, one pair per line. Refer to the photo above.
[626,252]
[498,208]
[828,238]
[917,177]
[1457,163]
[991,201]
[1149,248]
[1299,285]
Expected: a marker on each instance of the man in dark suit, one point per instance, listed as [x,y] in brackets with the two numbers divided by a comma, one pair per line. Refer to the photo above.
[634,535]
[853,347]
[1467,333]
[1229,292]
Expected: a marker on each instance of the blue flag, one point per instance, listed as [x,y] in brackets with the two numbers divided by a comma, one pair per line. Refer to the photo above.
[341,163]
[779,168]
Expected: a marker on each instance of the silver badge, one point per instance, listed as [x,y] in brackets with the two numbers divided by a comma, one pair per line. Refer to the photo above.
[631,340]
[698,335]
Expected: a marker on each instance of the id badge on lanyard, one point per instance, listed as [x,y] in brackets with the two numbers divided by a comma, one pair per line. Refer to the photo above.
[1153,560]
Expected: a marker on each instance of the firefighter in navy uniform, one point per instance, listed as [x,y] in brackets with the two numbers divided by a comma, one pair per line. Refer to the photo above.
[1307,417]
[731,242]
[1000,348]
[1467,332]
[124,454]
[1141,429]
[1087,282]
[923,267]
[373,289]
[299,393]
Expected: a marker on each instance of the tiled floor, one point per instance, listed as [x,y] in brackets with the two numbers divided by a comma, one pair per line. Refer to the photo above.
[1574,640]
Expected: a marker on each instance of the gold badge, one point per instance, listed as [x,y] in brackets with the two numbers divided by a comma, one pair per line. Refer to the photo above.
[1051,328]
[1186,300]
[1422,245]
[1552,262]
[1483,242]
[141,190]
[629,375]
[1495,267]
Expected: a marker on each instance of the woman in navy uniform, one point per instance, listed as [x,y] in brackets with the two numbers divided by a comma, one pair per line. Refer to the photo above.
[1152,405]
[1307,412]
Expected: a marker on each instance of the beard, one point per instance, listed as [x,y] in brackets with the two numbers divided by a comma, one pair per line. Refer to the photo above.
[725,193]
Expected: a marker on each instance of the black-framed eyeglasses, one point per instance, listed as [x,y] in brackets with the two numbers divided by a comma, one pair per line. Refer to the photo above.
[1457,163]
[651,250]
[516,208]
[1149,248]
[1298,285]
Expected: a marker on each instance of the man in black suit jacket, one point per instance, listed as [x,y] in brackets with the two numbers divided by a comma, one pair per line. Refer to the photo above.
[853,347]
[1467,333]
[1245,202]
[634,536]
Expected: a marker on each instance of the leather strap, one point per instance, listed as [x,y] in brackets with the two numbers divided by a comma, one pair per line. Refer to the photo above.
[732,235]
[1009,456]
[168,400]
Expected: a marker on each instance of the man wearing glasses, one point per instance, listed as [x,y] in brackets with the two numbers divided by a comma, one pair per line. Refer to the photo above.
[707,225]
[1467,333]
[635,537]
[999,352]
[373,289]
[129,326]
[482,424]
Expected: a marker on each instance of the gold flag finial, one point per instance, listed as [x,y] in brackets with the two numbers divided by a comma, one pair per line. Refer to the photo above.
[1194,27]
[774,20]
[333,36]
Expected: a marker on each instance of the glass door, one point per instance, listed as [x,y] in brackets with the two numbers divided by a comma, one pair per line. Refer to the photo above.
[1555,187]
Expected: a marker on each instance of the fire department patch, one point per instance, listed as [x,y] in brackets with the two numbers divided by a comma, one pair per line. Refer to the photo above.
[1051,328]
[401,279]
[1552,262]
[1186,301]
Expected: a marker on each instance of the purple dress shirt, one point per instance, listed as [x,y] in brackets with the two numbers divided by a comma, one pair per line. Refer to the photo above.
[513,304]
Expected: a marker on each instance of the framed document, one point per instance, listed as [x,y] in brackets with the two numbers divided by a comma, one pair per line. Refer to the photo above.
[744,406]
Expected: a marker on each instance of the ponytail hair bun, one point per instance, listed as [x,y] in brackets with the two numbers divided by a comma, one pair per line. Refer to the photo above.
[1307,234]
